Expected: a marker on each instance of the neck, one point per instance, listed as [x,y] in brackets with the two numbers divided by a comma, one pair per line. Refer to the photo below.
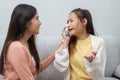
[82,36]
[25,39]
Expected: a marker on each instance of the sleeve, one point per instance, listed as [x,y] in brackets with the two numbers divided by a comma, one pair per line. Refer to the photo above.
[44,64]
[97,67]
[16,56]
[61,61]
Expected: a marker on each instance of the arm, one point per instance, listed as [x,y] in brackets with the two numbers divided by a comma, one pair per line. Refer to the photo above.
[61,61]
[17,57]
[47,62]
[96,68]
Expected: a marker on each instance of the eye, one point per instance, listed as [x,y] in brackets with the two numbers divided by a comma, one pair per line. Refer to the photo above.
[37,18]
[71,20]
[67,21]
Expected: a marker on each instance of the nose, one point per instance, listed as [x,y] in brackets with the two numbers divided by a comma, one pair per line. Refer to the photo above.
[68,25]
[40,23]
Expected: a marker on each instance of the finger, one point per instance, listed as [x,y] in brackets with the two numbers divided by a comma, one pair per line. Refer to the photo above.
[63,32]
[92,56]
[60,44]
[85,56]
[94,53]
[89,57]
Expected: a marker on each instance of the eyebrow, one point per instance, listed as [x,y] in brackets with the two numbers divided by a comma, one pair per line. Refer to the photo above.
[37,16]
[70,19]
[73,17]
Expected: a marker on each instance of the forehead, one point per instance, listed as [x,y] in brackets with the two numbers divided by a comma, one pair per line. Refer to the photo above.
[72,15]
[36,14]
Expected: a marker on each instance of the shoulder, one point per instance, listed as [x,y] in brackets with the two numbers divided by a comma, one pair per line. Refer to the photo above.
[96,38]
[15,47]
[97,42]
[15,44]
[16,53]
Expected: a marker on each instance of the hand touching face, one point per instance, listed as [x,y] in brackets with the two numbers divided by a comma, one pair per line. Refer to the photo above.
[65,40]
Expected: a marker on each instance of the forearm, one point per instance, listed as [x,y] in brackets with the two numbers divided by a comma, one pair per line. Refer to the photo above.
[61,61]
[96,68]
[44,64]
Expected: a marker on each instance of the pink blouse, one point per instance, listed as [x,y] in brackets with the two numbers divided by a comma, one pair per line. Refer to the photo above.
[19,64]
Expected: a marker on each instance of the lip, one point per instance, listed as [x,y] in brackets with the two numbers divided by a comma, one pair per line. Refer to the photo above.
[38,27]
[70,29]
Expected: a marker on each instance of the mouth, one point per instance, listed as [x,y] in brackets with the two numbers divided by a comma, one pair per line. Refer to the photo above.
[38,27]
[70,29]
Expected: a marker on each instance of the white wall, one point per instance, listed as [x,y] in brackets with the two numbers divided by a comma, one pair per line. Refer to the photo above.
[53,14]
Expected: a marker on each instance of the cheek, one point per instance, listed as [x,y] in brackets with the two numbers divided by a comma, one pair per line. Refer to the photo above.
[31,28]
[80,26]
[76,24]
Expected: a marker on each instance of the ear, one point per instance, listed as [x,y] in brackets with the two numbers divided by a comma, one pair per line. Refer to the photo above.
[84,21]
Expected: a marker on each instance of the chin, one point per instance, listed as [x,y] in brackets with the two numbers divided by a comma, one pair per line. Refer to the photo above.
[72,34]
[37,33]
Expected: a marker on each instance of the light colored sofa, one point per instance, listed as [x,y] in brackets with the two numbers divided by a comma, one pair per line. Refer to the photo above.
[113,58]
[48,44]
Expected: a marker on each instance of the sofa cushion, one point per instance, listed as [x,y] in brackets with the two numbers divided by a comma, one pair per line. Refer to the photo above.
[1,77]
[113,54]
[110,78]
[117,72]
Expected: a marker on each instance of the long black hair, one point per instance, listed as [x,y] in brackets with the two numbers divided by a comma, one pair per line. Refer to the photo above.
[81,14]
[21,15]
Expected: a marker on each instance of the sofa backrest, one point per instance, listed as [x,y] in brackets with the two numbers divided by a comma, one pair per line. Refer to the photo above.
[46,45]
[113,54]
[50,44]
[112,51]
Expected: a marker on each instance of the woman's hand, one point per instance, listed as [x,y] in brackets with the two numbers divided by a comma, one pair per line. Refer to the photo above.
[90,56]
[65,40]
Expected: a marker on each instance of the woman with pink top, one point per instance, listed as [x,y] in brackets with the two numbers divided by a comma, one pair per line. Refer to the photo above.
[19,58]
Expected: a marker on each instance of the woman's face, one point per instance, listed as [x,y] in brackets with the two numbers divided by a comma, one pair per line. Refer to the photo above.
[33,25]
[76,26]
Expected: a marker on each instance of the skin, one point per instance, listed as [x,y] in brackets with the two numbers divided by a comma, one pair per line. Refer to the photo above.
[77,28]
[32,27]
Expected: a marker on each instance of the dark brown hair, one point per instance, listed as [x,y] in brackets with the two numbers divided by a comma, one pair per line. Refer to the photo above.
[81,14]
[21,15]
